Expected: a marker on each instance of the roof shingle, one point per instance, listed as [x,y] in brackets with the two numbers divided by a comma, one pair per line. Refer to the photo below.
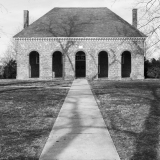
[93,22]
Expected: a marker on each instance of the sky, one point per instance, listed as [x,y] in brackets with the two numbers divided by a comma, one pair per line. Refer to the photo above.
[11,13]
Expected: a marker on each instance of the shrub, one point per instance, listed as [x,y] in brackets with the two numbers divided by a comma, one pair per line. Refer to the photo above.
[9,70]
[154,72]
[152,68]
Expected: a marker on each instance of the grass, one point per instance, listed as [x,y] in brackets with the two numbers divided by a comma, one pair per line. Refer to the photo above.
[131,110]
[14,82]
[27,115]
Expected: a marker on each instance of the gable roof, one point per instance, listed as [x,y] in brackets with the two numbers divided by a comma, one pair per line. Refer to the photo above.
[93,22]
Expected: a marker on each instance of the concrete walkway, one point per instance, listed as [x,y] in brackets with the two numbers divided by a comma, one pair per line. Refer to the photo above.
[79,132]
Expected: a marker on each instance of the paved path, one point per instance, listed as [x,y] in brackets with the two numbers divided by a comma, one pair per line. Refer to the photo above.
[79,132]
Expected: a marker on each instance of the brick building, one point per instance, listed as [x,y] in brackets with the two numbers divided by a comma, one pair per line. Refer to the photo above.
[80,42]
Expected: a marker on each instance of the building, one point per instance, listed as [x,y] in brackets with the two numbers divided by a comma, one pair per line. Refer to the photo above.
[80,42]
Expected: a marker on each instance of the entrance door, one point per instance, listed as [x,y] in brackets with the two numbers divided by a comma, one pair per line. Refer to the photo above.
[126,64]
[103,64]
[80,64]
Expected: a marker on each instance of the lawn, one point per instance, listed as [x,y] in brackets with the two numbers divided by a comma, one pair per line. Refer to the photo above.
[28,110]
[131,111]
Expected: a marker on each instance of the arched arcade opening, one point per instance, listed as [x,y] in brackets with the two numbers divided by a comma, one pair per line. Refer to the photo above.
[57,64]
[126,64]
[102,64]
[34,64]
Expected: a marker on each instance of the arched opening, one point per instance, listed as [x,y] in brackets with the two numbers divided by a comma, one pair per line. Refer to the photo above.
[57,63]
[34,64]
[103,64]
[126,64]
[80,64]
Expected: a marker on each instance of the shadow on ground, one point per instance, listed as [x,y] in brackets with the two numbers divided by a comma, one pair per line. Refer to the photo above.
[148,140]
[74,128]
[64,141]
[26,118]
[131,111]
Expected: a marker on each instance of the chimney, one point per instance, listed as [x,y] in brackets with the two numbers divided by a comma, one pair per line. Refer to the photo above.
[26,18]
[134,18]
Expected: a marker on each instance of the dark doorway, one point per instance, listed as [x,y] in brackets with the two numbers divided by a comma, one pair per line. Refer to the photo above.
[80,64]
[126,64]
[34,64]
[57,63]
[103,64]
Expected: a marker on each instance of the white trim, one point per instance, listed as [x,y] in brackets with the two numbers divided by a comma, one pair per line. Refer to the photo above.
[81,38]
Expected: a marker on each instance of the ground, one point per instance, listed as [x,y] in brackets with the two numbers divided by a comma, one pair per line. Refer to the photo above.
[131,110]
[28,111]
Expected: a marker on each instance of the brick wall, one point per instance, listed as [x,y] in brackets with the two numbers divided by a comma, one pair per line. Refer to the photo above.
[114,48]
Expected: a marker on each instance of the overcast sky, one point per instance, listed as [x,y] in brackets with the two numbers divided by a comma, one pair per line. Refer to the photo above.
[11,13]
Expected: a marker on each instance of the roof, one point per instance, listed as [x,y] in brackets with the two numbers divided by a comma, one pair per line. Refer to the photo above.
[87,22]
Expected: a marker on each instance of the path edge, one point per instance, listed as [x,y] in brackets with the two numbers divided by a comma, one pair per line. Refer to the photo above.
[54,123]
[99,104]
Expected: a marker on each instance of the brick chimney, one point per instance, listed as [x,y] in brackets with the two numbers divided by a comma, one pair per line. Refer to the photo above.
[134,18]
[26,18]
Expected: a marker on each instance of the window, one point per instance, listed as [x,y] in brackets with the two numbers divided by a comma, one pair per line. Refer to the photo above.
[80,57]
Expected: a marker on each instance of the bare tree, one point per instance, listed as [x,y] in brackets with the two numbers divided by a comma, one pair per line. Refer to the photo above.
[2,9]
[149,23]
[67,26]
[10,53]
[9,61]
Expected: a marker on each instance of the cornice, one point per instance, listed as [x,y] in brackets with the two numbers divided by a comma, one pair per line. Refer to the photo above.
[81,38]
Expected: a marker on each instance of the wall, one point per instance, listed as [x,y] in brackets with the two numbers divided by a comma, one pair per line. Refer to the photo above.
[114,48]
